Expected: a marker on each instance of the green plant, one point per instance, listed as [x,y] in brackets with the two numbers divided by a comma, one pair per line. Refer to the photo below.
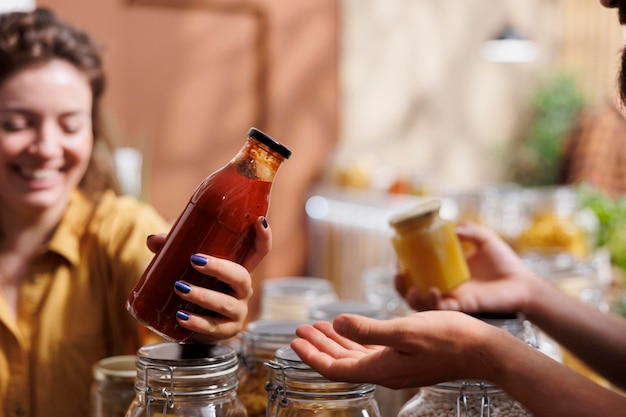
[611,214]
[536,157]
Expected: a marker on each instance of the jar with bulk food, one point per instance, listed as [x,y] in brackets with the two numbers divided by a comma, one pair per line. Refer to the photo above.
[291,298]
[187,380]
[429,252]
[258,344]
[463,399]
[556,224]
[296,390]
[113,387]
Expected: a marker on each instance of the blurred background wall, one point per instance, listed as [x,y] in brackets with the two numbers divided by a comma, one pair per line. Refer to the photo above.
[364,92]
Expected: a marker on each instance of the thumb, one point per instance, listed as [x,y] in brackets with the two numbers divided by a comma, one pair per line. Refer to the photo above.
[364,330]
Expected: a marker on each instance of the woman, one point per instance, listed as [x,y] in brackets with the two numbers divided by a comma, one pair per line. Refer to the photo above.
[71,249]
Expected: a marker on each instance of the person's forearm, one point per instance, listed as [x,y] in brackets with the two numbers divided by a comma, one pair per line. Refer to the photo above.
[597,338]
[547,388]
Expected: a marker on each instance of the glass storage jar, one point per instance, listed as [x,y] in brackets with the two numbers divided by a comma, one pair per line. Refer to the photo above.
[258,344]
[429,252]
[292,298]
[113,387]
[190,380]
[296,390]
[463,399]
[556,223]
[514,323]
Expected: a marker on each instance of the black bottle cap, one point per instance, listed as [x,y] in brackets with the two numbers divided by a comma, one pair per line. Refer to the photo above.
[269,141]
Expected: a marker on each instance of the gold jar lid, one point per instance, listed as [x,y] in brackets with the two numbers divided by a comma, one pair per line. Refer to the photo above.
[416,212]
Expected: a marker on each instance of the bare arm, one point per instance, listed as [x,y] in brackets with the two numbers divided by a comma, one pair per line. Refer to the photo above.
[596,337]
[437,346]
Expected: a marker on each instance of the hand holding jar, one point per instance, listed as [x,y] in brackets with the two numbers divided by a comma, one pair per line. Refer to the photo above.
[499,277]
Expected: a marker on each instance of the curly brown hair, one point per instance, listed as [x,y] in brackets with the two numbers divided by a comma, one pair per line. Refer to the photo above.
[27,38]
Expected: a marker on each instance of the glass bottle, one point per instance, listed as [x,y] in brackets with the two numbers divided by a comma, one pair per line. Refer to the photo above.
[113,387]
[219,221]
[429,252]
[191,380]
[258,344]
[294,389]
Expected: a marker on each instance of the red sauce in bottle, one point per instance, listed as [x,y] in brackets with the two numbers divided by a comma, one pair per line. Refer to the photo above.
[219,221]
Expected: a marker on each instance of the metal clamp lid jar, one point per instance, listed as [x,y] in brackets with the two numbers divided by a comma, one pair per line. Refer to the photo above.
[296,389]
[258,344]
[113,387]
[463,399]
[186,380]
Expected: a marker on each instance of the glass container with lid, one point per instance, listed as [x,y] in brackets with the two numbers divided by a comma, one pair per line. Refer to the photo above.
[291,298]
[113,387]
[428,249]
[294,389]
[463,399]
[258,344]
[328,311]
[190,380]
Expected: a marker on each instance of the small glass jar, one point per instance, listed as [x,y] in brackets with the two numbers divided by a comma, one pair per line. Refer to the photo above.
[429,252]
[258,344]
[113,387]
[463,399]
[190,380]
[328,311]
[556,224]
[516,324]
[294,389]
[291,298]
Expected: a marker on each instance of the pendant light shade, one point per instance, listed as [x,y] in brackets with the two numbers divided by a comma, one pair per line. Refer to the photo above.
[509,46]
[7,6]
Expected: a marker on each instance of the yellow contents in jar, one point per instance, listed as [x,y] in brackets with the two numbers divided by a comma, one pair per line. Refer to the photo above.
[428,249]
[549,233]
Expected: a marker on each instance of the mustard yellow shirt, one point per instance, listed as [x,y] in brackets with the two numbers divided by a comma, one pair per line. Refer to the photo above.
[71,308]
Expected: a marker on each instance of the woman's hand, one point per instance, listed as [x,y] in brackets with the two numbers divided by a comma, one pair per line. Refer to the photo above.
[500,280]
[418,350]
[231,308]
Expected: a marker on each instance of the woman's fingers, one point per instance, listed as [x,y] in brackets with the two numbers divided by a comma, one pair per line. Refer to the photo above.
[262,244]
[236,276]
[155,242]
[229,309]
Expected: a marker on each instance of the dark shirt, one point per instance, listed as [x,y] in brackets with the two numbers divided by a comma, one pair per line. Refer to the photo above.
[595,151]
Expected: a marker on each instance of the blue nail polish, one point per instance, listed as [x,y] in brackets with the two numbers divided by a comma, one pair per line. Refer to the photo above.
[182,287]
[198,260]
[264,222]
[182,315]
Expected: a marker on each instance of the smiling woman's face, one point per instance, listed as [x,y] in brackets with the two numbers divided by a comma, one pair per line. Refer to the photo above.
[46,135]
